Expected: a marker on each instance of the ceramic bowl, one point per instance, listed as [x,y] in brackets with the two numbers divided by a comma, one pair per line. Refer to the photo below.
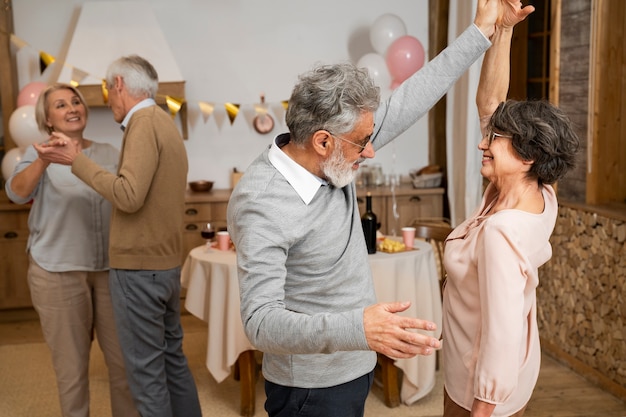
[201,186]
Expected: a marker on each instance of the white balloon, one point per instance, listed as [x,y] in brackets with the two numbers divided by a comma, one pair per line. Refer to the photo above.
[377,68]
[11,158]
[23,127]
[386,29]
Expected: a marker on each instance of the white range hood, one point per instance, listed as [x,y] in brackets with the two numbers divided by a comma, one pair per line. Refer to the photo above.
[107,30]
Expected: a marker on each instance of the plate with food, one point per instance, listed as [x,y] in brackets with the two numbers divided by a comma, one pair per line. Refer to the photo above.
[389,245]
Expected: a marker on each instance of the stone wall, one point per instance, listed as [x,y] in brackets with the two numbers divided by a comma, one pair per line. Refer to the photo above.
[582,295]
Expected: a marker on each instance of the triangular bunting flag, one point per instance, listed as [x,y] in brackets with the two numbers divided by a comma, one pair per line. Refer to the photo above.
[18,42]
[77,76]
[279,111]
[174,104]
[206,109]
[260,109]
[105,92]
[45,59]
[232,110]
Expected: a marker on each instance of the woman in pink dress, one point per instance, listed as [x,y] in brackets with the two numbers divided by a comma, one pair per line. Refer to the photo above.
[491,353]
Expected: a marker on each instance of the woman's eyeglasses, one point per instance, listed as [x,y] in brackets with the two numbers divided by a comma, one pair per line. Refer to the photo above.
[493,135]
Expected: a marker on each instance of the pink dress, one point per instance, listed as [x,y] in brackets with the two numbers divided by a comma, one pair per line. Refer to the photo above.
[490,337]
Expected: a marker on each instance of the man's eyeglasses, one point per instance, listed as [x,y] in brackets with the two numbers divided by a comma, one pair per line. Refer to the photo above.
[493,135]
[361,147]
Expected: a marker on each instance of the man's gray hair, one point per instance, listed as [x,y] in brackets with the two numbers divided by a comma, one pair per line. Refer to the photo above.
[140,77]
[330,97]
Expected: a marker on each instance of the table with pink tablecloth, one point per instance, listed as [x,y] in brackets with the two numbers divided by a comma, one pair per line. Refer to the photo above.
[210,277]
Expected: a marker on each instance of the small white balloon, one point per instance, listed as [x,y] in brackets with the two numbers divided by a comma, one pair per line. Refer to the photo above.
[23,127]
[377,68]
[386,29]
[11,158]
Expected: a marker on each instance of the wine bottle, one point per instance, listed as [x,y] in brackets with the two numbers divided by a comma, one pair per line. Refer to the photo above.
[368,221]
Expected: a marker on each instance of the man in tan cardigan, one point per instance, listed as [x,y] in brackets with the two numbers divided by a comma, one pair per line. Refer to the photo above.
[147,194]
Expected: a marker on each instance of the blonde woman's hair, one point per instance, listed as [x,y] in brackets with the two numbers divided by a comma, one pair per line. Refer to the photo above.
[41,107]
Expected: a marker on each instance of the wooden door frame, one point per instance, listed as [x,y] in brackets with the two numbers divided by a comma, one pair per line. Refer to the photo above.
[606,151]
[438,12]
[8,71]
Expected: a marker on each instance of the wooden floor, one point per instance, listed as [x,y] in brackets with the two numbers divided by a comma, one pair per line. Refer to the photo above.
[560,392]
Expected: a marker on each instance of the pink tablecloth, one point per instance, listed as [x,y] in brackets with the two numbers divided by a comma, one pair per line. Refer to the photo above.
[210,277]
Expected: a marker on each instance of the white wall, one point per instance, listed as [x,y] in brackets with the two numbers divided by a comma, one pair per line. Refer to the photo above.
[232,51]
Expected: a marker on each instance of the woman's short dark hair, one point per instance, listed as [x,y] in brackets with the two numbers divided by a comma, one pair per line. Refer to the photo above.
[541,132]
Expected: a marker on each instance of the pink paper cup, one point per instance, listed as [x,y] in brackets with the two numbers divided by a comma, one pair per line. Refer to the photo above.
[408,236]
[223,240]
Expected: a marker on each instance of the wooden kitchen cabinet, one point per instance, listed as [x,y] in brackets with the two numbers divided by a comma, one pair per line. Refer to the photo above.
[410,203]
[202,208]
[14,292]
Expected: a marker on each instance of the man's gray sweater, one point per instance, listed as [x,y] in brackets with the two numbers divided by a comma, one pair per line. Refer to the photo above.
[304,276]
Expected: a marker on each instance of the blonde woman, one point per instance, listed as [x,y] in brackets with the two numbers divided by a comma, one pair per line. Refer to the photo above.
[68,252]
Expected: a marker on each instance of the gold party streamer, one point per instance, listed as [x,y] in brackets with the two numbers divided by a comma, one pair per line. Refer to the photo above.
[174,104]
[206,109]
[232,110]
[77,76]
[45,59]
[105,92]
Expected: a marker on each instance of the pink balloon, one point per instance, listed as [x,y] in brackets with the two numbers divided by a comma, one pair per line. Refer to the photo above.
[29,93]
[404,57]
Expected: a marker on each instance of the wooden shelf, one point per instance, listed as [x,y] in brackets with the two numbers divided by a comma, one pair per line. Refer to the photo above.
[93,97]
